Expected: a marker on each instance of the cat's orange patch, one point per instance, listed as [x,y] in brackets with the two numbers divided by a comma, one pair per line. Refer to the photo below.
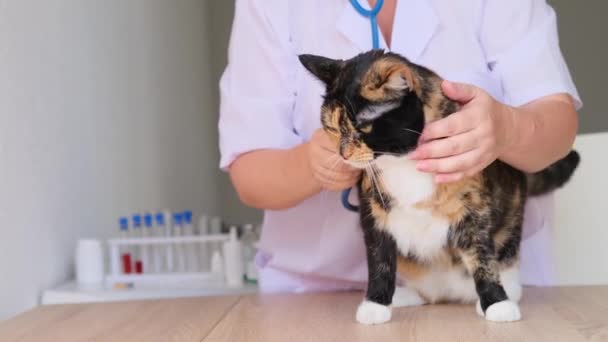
[447,201]
[378,84]
[470,260]
[358,152]
[410,269]
[432,108]
[379,214]
[366,183]
[330,118]
[501,237]
[489,271]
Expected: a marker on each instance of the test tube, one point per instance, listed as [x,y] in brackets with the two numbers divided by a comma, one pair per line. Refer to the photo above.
[125,253]
[180,253]
[139,268]
[191,249]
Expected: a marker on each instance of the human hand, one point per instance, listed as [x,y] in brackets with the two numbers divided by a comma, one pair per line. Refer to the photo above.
[474,136]
[328,168]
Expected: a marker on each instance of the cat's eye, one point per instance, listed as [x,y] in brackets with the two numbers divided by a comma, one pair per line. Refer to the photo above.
[367,128]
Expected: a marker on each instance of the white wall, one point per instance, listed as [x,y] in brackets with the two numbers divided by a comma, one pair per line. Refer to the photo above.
[105,109]
[220,23]
[581,211]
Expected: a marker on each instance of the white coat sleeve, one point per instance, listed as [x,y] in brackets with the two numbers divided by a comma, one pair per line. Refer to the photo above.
[521,44]
[257,88]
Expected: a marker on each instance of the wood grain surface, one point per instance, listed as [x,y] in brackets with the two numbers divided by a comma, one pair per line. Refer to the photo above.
[187,319]
[549,314]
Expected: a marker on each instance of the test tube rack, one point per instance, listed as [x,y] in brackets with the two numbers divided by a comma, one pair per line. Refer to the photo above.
[167,279]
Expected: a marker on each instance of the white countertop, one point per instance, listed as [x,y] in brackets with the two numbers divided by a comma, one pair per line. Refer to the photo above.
[71,293]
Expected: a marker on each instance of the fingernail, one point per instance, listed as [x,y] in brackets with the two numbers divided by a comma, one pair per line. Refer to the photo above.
[413,155]
[454,85]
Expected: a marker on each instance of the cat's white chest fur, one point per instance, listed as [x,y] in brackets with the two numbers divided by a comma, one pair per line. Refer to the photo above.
[415,230]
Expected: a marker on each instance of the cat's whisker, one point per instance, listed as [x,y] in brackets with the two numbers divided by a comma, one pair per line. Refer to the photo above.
[360,162]
[411,130]
[388,153]
[379,180]
[375,183]
[375,168]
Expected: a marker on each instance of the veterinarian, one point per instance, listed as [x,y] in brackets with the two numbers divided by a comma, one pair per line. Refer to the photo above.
[504,64]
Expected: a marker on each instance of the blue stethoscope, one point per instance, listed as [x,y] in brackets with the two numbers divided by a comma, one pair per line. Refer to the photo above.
[371,14]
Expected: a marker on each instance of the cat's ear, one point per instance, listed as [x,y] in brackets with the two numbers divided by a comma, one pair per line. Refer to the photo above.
[388,79]
[325,69]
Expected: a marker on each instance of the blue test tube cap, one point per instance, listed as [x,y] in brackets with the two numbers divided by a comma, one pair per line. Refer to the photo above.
[177,218]
[123,223]
[136,221]
[148,220]
[160,219]
[188,217]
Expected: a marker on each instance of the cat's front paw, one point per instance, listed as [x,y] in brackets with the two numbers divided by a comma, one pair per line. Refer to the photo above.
[373,313]
[505,311]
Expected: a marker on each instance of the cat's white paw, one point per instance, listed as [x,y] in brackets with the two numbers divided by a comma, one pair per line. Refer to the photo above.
[505,311]
[509,279]
[373,313]
[406,296]
[478,308]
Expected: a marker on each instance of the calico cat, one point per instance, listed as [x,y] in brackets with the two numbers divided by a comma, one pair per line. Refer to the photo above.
[456,242]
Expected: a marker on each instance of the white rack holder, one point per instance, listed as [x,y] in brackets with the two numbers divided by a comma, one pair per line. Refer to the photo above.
[156,280]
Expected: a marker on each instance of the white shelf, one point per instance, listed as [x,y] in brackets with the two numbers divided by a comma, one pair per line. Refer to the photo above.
[143,241]
[72,293]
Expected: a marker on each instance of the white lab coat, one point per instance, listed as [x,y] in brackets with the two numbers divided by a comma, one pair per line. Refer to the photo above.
[268,101]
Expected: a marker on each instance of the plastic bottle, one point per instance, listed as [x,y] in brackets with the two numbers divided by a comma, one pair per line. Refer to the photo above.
[233,260]
[249,240]
[217,264]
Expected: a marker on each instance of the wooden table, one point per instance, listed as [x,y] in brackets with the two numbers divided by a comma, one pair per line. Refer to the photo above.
[550,314]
